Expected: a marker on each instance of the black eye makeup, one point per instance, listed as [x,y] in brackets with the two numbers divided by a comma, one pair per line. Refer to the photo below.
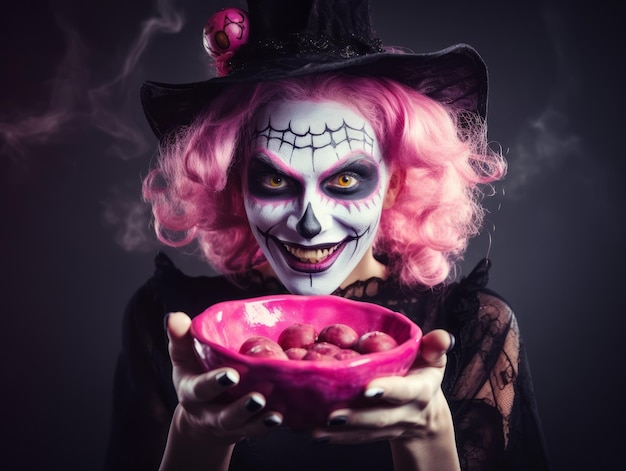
[356,179]
[266,181]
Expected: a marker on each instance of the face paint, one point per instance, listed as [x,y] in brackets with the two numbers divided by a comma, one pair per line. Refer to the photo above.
[314,186]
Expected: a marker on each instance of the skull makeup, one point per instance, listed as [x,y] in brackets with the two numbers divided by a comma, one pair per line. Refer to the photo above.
[314,186]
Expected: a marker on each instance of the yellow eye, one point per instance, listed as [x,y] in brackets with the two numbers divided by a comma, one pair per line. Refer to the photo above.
[345,181]
[275,181]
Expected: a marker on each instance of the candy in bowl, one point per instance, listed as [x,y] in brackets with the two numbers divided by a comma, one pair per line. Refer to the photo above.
[305,391]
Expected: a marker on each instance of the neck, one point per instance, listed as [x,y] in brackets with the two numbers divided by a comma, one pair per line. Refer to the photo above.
[367,268]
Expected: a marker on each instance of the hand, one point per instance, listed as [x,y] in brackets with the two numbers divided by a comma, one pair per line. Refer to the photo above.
[403,408]
[199,415]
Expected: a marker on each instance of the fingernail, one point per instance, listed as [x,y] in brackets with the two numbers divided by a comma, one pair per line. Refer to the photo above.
[452,342]
[339,420]
[254,403]
[272,421]
[374,392]
[165,318]
[226,378]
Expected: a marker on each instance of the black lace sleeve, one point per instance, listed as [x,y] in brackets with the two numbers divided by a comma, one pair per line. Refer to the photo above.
[488,384]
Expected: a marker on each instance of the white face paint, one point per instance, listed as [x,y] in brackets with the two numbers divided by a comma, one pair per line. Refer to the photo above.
[314,186]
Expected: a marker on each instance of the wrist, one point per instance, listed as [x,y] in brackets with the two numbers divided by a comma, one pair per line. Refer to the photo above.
[437,453]
[190,448]
[432,447]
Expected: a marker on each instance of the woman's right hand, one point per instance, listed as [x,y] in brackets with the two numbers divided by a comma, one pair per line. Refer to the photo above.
[201,426]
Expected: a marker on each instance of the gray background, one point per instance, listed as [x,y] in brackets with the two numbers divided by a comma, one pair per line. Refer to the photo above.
[74,146]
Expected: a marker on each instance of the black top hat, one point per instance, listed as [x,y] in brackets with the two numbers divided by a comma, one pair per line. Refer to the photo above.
[290,38]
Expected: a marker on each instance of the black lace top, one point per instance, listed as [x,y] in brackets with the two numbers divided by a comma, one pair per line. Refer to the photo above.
[487,381]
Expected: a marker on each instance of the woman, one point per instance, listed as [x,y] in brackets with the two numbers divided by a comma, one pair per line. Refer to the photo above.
[317,169]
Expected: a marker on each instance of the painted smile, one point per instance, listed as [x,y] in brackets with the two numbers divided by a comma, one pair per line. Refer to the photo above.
[309,259]
[310,255]
[312,259]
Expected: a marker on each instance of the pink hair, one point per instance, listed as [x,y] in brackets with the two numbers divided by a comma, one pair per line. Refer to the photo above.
[440,159]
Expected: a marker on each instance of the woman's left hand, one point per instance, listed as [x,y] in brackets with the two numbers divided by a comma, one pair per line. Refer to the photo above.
[410,408]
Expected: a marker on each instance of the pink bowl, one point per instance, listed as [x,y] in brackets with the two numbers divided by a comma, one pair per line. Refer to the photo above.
[305,392]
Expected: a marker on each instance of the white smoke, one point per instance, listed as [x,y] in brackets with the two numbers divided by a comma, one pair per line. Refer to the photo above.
[547,141]
[129,218]
[124,211]
[128,141]
[80,103]
[25,129]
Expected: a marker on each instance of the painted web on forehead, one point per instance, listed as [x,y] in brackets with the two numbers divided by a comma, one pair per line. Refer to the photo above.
[329,137]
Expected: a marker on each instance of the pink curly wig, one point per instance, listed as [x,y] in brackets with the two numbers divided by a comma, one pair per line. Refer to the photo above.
[440,161]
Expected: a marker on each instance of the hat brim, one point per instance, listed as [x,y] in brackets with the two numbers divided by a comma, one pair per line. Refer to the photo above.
[455,76]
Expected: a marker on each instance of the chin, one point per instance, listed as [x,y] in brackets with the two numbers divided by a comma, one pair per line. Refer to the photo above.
[310,283]
[305,288]
[311,280]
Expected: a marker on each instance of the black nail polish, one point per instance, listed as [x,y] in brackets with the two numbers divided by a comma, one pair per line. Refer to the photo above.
[253,404]
[374,393]
[271,421]
[452,342]
[165,318]
[225,379]
[339,420]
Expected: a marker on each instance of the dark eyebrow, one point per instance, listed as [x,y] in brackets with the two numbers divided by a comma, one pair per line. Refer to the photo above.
[267,161]
[263,159]
[262,164]
[271,165]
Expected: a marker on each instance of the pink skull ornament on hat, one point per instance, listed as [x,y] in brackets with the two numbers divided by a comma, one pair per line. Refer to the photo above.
[224,33]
